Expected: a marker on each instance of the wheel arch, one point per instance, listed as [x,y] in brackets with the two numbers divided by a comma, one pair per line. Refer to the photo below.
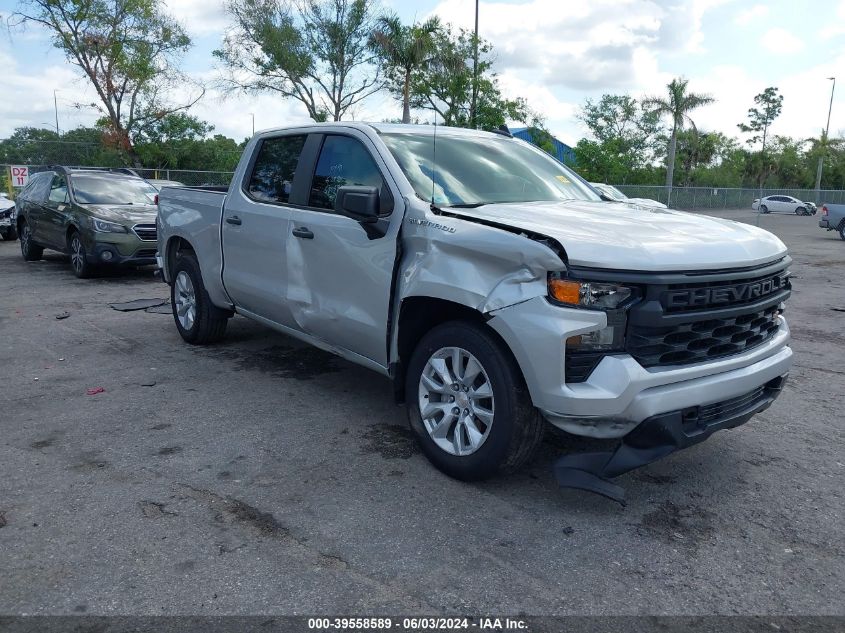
[418,315]
[175,245]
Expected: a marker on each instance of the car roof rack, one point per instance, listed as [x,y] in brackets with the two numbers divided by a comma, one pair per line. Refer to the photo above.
[126,171]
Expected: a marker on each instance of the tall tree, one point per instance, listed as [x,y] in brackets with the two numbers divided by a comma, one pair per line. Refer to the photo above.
[128,50]
[315,51]
[676,105]
[622,126]
[402,50]
[445,84]
[760,118]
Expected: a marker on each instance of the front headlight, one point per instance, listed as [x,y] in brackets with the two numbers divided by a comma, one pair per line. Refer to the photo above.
[588,294]
[611,298]
[104,226]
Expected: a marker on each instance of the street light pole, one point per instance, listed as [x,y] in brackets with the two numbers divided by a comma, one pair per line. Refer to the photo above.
[56,108]
[823,147]
[253,123]
[472,114]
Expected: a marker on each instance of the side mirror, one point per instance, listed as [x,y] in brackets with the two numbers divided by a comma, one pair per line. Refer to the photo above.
[358,203]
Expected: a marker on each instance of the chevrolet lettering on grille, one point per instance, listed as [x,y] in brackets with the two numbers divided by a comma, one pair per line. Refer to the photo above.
[717,295]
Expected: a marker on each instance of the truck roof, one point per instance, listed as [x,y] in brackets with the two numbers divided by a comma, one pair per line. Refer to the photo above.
[387,128]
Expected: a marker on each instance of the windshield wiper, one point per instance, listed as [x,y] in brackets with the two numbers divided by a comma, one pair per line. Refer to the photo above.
[467,205]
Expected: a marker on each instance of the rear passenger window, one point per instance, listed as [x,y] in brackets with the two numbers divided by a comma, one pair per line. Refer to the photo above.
[36,190]
[345,161]
[275,165]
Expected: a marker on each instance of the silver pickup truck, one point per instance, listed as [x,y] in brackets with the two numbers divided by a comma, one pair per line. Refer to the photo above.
[493,286]
[833,218]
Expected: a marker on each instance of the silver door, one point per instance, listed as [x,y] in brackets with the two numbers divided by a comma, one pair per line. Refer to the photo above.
[256,226]
[340,273]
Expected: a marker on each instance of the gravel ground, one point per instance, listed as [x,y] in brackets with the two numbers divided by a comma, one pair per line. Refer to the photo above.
[261,476]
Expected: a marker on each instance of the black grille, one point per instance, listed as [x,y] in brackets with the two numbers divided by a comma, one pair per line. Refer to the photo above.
[710,413]
[146,232]
[698,341]
[145,252]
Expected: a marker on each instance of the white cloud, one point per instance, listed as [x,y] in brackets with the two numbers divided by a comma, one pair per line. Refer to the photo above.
[751,14]
[781,42]
[199,17]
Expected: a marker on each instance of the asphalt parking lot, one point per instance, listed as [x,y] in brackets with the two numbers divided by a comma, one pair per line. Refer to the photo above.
[261,476]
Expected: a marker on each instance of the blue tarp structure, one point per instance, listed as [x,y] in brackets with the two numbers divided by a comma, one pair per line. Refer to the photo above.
[563,152]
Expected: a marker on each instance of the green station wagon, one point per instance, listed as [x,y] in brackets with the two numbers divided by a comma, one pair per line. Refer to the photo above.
[99,218]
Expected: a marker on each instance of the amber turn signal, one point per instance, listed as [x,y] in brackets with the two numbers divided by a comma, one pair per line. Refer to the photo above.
[565,291]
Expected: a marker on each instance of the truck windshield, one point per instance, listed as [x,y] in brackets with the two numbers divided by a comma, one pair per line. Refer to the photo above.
[111,190]
[476,170]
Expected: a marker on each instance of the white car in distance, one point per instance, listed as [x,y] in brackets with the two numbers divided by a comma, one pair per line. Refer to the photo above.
[783,204]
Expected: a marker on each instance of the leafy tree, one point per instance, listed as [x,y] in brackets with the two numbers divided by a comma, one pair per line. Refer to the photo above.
[128,50]
[622,119]
[676,105]
[315,51]
[445,84]
[769,105]
[629,134]
[401,50]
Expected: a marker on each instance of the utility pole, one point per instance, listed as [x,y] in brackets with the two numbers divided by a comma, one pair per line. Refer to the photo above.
[253,123]
[824,145]
[56,108]
[472,114]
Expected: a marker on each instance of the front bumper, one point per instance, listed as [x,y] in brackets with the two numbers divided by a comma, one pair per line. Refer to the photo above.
[120,249]
[658,436]
[620,394]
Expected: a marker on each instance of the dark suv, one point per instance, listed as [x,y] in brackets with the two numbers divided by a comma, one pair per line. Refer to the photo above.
[99,218]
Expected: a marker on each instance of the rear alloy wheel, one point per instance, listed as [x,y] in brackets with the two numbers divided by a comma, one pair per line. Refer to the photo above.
[78,257]
[198,320]
[30,250]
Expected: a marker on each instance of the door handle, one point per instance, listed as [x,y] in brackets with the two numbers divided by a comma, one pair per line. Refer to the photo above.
[304,233]
[234,220]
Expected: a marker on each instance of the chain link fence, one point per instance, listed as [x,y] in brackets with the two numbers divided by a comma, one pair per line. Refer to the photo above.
[723,197]
[188,177]
[682,197]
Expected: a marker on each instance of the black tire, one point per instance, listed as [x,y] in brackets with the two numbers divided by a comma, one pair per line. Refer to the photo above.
[79,263]
[764,209]
[842,230]
[517,427]
[801,211]
[209,324]
[30,250]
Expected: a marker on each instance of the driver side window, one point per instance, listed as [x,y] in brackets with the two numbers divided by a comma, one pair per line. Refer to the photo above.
[345,161]
[58,190]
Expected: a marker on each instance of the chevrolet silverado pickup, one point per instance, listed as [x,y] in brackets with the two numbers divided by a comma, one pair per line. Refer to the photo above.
[493,286]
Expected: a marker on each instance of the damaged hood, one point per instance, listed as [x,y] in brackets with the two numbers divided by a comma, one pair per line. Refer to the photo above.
[125,213]
[621,236]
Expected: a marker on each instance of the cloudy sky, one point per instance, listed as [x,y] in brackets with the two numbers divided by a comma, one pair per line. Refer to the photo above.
[554,53]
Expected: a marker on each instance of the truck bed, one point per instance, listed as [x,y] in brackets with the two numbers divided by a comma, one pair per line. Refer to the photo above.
[196,211]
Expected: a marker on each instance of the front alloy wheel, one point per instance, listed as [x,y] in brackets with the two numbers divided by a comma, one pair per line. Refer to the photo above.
[185,300]
[79,258]
[468,405]
[456,401]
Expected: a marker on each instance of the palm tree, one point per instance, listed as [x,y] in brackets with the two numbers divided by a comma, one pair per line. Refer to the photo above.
[402,49]
[678,106]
